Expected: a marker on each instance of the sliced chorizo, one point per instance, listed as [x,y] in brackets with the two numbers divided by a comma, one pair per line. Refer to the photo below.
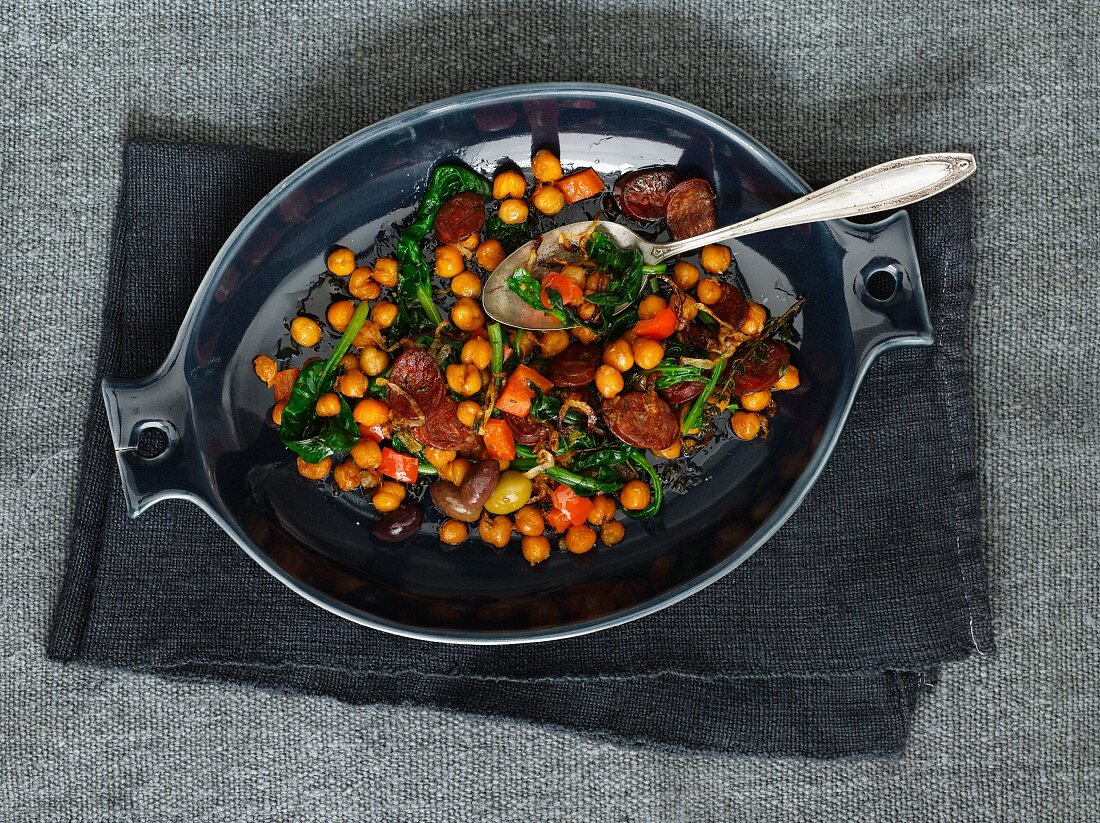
[732,307]
[641,195]
[576,366]
[459,217]
[690,209]
[420,381]
[443,430]
[641,419]
[759,366]
[526,430]
[683,392]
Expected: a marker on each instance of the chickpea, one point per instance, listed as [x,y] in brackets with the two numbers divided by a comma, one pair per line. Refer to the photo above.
[609,380]
[478,352]
[265,368]
[314,471]
[362,285]
[746,425]
[468,412]
[708,291]
[496,531]
[366,454]
[439,457]
[305,331]
[369,335]
[612,532]
[580,539]
[490,254]
[456,470]
[575,275]
[467,314]
[509,184]
[536,548]
[546,167]
[596,282]
[277,413]
[370,411]
[341,261]
[373,361]
[453,532]
[635,496]
[470,243]
[586,311]
[385,271]
[554,342]
[349,362]
[449,261]
[513,212]
[672,452]
[393,487]
[690,308]
[339,315]
[352,384]
[685,275]
[384,313]
[755,401]
[466,284]
[715,259]
[619,355]
[464,379]
[328,405]
[788,380]
[385,501]
[603,509]
[754,320]
[583,334]
[347,475]
[529,521]
[548,200]
[647,353]
[650,305]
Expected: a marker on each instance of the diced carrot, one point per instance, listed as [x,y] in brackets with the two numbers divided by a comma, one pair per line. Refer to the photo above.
[499,441]
[580,185]
[657,327]
[284,383]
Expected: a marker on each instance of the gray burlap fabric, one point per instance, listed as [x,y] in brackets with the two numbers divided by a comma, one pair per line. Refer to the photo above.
[828,89]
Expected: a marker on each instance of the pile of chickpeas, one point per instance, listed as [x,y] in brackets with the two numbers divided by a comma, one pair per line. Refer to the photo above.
[368,359]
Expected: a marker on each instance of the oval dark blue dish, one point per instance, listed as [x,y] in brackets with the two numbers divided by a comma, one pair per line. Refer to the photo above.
[863,295]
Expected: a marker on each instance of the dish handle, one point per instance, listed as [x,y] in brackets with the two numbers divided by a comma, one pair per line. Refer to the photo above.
[150,421]
[883,290]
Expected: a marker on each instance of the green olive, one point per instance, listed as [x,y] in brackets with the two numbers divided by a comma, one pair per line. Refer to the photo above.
[512,493]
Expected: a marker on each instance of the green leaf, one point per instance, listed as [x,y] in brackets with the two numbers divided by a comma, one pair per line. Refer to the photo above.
[637,458]
[510,235]
[312,437]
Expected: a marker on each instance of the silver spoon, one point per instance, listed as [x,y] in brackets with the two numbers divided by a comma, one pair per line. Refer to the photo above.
[887,186]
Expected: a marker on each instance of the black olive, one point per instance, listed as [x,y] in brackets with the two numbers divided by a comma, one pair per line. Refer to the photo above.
[400,524]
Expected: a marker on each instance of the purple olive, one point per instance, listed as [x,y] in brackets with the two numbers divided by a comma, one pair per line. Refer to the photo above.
[399,524]
[479,484]
[448,500]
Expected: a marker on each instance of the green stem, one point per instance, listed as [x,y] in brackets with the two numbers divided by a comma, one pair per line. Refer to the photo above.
[694,418]
[362,311]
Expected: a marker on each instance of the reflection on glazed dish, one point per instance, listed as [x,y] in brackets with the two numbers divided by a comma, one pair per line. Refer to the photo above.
[550,435]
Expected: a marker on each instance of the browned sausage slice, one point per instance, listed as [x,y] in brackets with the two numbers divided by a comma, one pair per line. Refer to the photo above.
[459,217]
[683,392]
[760,366]
[642,420]
[731,306]
[690,209]
[526,430]
[642,194]
[576,366]
[443,430]
[416,372]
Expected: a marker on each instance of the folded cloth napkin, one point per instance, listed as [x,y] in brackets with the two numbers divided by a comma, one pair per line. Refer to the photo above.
[817,646]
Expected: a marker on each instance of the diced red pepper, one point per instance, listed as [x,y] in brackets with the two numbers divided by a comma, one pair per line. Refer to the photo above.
[577,508]
[558,520]
[403,467]
[375,433]
[284,383]
[515,397]
[657,327]
[580,185]
[499,441]
[570,292]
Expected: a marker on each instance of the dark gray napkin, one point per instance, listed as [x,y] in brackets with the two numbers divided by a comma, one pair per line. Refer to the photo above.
[818,646]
